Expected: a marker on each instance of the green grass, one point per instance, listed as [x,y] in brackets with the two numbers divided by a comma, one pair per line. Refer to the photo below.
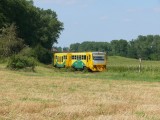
[118,68]
[121,64]
[106,75]
[122,61]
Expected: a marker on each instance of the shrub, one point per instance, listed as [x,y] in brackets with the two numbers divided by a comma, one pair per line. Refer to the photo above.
[29,52]
[10,43]
[21,62]
[43,55]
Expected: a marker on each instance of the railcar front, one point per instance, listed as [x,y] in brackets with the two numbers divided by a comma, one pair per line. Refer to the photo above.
[99,61]
[60,60]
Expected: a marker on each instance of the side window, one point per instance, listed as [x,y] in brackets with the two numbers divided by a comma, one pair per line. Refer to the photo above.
[58,59]
[65,57]
[84,57]
[74,57]
[62,59]
[89,57]
[78,57]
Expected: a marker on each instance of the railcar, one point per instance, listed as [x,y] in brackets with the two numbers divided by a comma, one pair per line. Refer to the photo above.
[94,61]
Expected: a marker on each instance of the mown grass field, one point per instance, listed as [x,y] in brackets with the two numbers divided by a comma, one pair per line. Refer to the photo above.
[51,94]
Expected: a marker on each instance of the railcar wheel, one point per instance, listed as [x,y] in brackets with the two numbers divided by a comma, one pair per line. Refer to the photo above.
[99,68]
[85,69]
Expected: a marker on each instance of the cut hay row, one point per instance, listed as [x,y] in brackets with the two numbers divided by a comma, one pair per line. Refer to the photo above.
[43,95]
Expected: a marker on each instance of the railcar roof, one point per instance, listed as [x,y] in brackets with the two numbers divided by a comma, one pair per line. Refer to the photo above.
[98,52]
[78,53]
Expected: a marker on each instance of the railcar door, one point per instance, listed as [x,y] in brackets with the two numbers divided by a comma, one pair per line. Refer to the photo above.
[69,60]
[87,60]
[60,59]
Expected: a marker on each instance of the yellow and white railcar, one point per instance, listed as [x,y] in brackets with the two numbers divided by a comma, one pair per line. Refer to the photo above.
[95,61]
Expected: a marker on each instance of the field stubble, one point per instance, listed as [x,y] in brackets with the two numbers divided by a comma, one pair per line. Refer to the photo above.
[30,96]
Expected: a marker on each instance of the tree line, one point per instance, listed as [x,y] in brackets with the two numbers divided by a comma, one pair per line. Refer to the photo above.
[24,26]
[145,47]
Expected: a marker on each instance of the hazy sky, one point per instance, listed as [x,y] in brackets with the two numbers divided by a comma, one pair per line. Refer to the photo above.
[104,20]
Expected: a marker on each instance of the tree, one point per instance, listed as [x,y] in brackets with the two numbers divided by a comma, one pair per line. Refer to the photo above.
[43,55]
[9,42]
[123,47]
[114,47]
[90,46]
[49,28]
[74,47]
[65,49]
[143,47]
[34,25]
[155,48]
[30,1]
[131,52]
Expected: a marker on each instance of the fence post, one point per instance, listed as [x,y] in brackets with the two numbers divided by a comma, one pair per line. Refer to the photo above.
[140,63]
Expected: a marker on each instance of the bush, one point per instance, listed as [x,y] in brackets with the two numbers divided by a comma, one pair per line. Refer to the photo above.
[10,43]
[43,55]
[3,60]
[21,62]
[28,52]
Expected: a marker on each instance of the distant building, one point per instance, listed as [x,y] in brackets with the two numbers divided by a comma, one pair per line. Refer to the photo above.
[54,50]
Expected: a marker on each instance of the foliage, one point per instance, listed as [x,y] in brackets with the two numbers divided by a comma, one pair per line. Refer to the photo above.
[28,52]
[58,49]
[34,25]
[74,47]
[9,42]
[145,47]
[65,49]
[119,47]
[90,46]
[43,55]
[21,62]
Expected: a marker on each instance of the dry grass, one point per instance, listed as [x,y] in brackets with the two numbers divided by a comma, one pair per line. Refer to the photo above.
[35,97]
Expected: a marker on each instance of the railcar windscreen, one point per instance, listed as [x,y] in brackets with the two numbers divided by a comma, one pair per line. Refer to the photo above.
[101,58]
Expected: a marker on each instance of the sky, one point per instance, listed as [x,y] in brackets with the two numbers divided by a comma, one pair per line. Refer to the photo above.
[104,20]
